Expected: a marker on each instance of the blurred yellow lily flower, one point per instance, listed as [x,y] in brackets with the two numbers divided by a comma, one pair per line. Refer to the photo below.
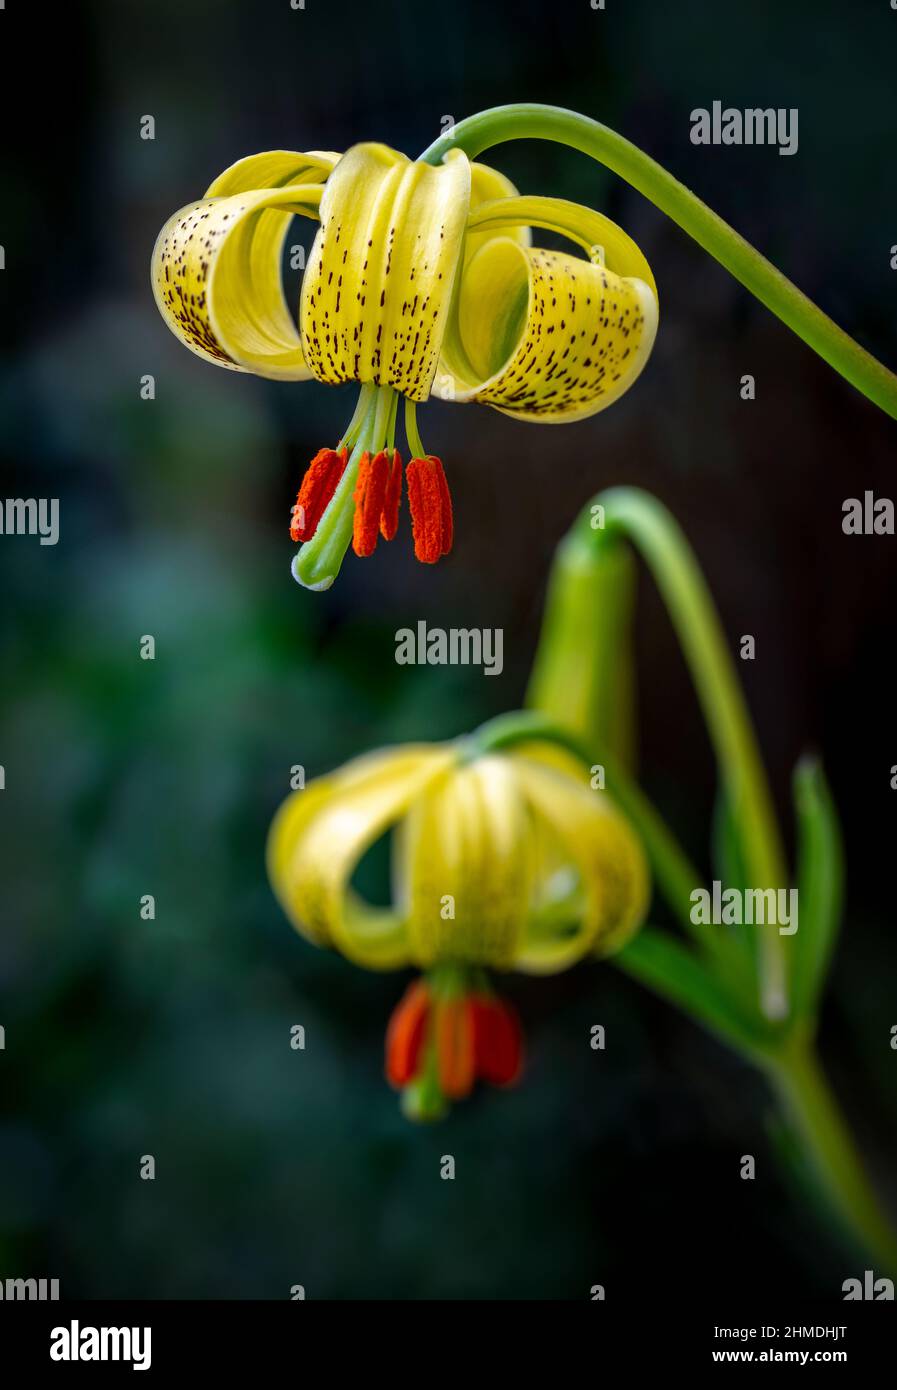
[499,861]
[421,280]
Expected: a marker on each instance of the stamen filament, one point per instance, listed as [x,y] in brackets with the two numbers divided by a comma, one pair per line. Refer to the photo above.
[414,442]
[391,431]
[362,406]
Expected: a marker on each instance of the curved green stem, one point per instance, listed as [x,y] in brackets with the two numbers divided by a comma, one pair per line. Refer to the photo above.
[642,520]
[532,121]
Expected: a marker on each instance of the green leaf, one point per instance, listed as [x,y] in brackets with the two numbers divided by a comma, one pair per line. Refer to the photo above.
[820,884]
[658,960]
[741,964]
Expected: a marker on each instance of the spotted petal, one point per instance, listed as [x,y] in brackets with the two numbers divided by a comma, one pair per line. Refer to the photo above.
[543,335]
[379,280]
[216,268]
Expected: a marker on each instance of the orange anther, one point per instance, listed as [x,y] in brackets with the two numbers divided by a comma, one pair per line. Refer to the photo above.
[318,486]
[497,1040]
[430,503]
[369,496]
[389,520]
[405,1035]
[454,1046]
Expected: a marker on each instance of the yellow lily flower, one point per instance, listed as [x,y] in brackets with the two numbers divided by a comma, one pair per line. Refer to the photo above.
[502,861]
[421,280]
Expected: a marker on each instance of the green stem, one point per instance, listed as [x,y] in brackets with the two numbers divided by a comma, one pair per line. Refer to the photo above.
[531,121]
[641,519]
[797,1077]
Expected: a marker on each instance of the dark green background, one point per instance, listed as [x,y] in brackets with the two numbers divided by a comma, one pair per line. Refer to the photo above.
[126,777]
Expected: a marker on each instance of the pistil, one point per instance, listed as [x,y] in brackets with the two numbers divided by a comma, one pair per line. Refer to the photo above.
[318,563]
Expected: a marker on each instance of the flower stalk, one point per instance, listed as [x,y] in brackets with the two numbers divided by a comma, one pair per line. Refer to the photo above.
[532,121]
[765,1012]
[636,516]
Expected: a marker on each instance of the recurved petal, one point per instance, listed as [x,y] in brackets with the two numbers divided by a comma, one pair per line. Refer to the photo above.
[597,906]
[465,856]
[487,184]
[319,836]
[545,336]
[373,937]
[273,169]
[216,267]
[378,284]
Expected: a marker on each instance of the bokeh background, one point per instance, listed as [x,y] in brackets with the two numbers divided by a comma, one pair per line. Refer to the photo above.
[126,777]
